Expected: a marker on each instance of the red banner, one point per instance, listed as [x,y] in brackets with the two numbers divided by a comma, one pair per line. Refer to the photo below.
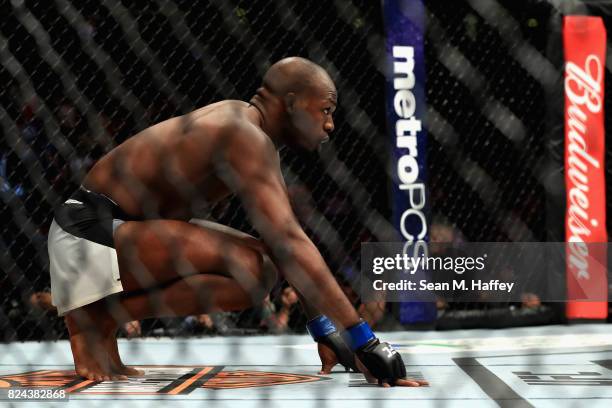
[584,40]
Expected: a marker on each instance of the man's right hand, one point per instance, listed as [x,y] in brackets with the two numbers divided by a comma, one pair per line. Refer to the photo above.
[399,382]
[379,362]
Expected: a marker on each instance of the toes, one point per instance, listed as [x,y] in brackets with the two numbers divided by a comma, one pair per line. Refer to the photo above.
[83,373]
[128,372]
[326,368]
[134,372]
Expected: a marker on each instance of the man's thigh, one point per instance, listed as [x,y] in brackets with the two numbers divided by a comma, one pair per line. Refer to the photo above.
[156,252]
[231,233]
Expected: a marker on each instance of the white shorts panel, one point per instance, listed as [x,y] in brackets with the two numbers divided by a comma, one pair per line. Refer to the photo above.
[82,271]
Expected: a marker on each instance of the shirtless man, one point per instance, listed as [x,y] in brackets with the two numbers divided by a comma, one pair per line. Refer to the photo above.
[122,247]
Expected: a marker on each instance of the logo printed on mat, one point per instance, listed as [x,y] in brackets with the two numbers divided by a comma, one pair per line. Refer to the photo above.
[167,380]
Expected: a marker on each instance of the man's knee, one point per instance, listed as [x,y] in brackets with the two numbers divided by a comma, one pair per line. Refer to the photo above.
[247,268]
[264,273]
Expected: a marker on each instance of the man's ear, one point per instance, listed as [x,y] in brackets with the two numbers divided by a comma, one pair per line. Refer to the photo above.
[290,102]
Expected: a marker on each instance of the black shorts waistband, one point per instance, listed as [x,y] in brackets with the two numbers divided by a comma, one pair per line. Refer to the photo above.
[89,215]
[102,202]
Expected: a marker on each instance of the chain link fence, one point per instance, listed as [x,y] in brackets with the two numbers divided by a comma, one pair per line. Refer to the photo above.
[81,77]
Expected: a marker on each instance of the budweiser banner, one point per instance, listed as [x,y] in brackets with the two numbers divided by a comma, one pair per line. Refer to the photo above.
[584,40]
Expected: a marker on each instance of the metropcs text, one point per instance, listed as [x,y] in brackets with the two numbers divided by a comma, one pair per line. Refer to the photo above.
[408,264]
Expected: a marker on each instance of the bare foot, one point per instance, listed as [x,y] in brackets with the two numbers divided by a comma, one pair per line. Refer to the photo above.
[117,366]
[129,371]
[89,330]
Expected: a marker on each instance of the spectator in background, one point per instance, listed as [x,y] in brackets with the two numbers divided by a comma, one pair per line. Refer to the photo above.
[87,30]
[198,324]
[4,184]
[68,116]
[206,321]
[81,164]
[6,173]
[285,320]
[73,126]
[530,301]
[132,329]
[442,232]
[42,301]
[30,126]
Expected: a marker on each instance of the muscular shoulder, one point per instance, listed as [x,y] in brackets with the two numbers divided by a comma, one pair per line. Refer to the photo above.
[240,136]
[232,130]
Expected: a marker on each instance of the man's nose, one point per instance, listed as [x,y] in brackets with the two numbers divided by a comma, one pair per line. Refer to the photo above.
[329,126]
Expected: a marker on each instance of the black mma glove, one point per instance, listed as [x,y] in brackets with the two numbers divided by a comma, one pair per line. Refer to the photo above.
[324,331]
[383,362]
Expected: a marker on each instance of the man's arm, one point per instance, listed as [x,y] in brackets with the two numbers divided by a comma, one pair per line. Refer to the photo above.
[248,163]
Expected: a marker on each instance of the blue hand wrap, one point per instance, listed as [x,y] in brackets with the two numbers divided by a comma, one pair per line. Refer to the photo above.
[320,327]
[360,334]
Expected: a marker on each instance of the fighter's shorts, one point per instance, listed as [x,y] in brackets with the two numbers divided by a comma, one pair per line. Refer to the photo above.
[83,260]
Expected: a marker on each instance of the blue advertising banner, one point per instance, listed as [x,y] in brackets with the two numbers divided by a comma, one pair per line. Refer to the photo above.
[405,106]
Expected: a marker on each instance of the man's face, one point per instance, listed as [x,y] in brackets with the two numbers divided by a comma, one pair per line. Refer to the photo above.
[311,118]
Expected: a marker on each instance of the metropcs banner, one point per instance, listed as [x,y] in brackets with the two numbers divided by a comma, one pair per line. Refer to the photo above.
[405,106]
[584,40]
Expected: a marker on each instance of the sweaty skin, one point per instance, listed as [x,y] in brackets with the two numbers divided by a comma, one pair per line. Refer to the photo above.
[168,171]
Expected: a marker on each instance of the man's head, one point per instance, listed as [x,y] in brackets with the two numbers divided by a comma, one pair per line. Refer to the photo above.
[308,97]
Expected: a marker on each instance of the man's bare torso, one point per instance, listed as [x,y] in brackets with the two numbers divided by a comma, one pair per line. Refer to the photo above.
[168,169]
